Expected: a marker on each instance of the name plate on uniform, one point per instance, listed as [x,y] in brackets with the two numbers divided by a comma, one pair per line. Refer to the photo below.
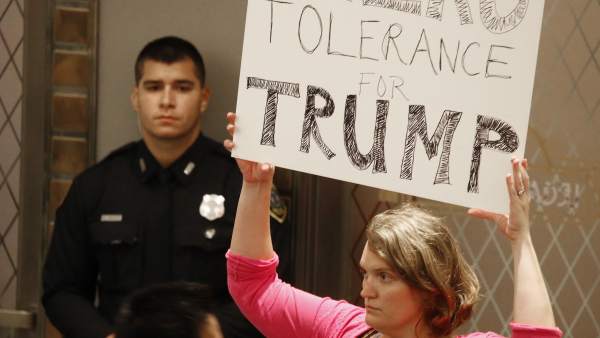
[111,218]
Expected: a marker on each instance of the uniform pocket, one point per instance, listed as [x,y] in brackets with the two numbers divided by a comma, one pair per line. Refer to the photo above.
[201,253]
[119,253]
[209,236]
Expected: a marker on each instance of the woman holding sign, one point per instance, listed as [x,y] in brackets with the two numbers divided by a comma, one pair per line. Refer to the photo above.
[415,281]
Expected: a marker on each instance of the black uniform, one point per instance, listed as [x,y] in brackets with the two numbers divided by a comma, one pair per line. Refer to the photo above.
[127,223]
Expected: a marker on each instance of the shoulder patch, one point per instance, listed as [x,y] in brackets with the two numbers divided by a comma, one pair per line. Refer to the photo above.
[278,208]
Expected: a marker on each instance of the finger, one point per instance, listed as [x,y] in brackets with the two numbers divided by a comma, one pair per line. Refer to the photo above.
[267,167]
[499,219]
[480,213]
[501,229]
[477,213]
[231,117]
[525,163]
[512,192]
[228,144]
[518,184]
[266,170]
[230,129]
[524,176]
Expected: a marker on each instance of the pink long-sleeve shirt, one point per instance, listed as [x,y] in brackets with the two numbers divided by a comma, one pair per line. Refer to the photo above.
[279,310]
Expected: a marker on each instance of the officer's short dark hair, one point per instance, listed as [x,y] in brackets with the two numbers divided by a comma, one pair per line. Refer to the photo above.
[170,310]
[169,49]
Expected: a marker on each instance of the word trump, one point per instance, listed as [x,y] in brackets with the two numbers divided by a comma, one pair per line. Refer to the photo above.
[417,127]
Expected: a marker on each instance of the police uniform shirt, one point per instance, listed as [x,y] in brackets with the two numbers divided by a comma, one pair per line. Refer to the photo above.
[127,223]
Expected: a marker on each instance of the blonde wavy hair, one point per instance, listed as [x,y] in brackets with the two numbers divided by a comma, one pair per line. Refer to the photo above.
[420,248]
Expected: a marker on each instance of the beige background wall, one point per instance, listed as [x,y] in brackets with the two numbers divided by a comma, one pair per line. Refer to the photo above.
[215,27]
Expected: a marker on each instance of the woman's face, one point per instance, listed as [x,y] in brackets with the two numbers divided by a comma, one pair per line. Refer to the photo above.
[393,307]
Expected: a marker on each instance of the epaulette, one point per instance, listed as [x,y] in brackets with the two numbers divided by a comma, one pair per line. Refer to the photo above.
[123,149]
[278,208]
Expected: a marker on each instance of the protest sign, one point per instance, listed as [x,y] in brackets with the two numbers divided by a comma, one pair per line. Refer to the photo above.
[428,98]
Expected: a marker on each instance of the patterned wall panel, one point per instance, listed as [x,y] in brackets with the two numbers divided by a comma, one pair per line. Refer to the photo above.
[565,162]
[11,84]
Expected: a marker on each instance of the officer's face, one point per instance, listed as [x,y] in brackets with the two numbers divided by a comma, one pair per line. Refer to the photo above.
[169,100]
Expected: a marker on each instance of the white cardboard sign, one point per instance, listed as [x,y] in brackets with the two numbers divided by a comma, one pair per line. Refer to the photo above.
[429,98]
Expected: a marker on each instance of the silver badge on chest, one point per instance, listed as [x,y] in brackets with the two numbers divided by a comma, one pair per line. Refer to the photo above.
[212,206]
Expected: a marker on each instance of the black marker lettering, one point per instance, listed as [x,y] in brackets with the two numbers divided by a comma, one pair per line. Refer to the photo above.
[464,58]
[508,143]
[491,60]
[426,49]
[452,64]
[407,6]
[272,11]
[306,49]
[390,37]
[274,88]
[501,24]
[362,81]
[436,8]
[417,124]
[332,52]
[376,153]
[363,37]
[310,120]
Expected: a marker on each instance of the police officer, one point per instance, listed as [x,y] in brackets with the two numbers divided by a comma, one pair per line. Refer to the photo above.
[157,210]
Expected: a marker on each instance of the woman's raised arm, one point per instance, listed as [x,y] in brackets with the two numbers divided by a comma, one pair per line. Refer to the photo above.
[531,301]
[251,233]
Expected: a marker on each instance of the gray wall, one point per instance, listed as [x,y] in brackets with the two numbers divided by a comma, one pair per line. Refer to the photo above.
[215,27]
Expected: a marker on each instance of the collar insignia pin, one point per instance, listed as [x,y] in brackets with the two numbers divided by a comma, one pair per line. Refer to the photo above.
[142,165]
[189,168]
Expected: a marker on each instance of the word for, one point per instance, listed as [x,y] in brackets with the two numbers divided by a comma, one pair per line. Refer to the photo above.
[385,86]
[417,126]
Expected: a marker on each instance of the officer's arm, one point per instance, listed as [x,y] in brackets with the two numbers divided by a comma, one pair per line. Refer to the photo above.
[70,272]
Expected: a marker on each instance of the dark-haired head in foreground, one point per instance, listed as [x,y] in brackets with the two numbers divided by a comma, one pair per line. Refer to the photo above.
[171,310]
